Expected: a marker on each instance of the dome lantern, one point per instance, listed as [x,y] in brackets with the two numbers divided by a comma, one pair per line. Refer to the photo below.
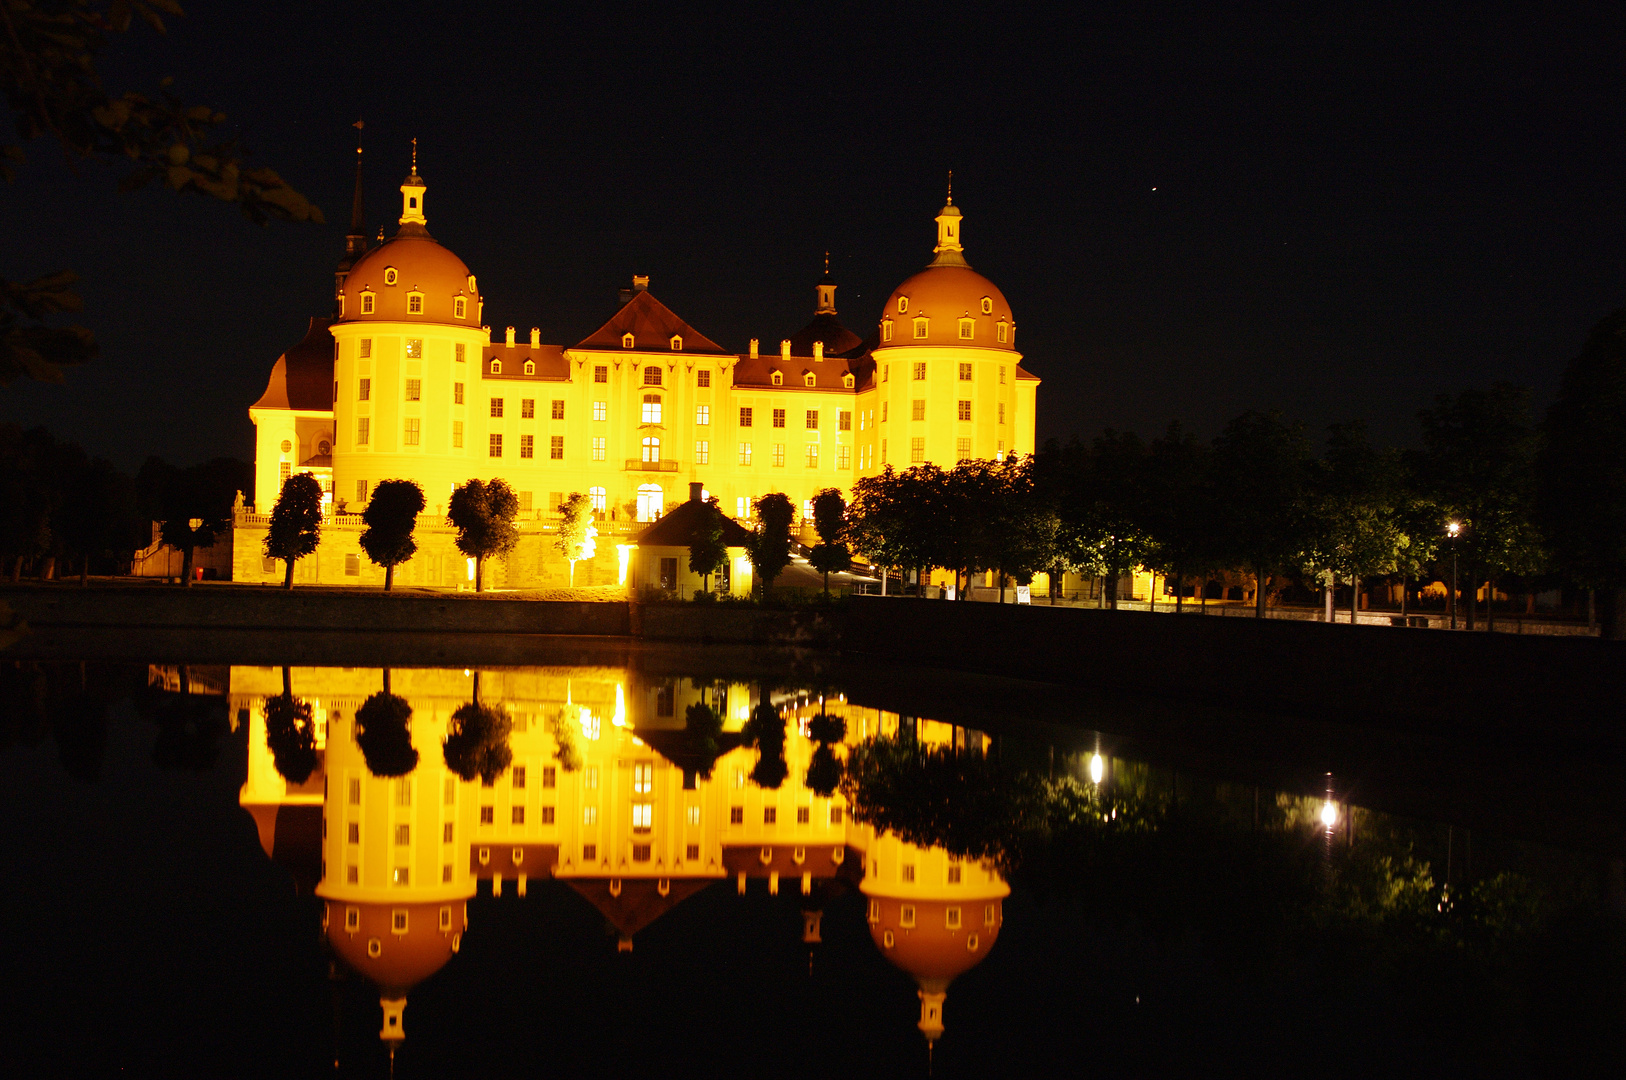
[412,190]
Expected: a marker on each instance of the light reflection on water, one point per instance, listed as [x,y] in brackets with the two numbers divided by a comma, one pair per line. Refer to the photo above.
[647,796]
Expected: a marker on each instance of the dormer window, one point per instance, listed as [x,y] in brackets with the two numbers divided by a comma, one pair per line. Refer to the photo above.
[366,303]
[920,328]
[1002,331]
[903,304]
[390,276]
[530,367]
[472,289]
[627,341]
[496,367]
[777,378]
[847,380]
[415,303]
[987,305]
[460,308]
[968,329]
[886,329]
[808,379]
[677,342]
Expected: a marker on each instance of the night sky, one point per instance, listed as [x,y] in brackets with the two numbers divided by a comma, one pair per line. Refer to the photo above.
[1338,212]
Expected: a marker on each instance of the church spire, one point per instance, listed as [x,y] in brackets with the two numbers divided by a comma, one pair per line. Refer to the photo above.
[355,241]
[949,250]
[826,290]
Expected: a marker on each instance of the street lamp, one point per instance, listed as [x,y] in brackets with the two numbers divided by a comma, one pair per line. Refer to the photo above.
[1453,529]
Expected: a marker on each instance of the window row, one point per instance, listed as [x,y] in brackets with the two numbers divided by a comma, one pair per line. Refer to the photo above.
[918,372]
[1004,332]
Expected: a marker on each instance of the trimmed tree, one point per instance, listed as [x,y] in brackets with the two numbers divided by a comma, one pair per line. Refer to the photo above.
[770,546]
[384,733]
[296,523]
[830,555]
[202,493]
[477,742]
[390,517]
[290,733]
[483,515]
[576,532]
[707,552]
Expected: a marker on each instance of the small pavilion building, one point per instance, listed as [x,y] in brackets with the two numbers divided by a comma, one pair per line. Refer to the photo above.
[658,557]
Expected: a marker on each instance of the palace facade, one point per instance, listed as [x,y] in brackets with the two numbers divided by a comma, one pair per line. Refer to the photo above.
[406,380]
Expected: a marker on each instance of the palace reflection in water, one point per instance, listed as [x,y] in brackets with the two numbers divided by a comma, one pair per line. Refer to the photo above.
[615,788]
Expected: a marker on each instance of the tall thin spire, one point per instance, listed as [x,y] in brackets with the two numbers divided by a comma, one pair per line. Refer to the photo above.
[951,188]
[355,241]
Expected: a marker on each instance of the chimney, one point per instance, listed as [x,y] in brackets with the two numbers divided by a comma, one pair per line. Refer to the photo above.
[640,282]
[697,491]
[536,337]
[509,341]
[818,350]
[755,348]
[784,349]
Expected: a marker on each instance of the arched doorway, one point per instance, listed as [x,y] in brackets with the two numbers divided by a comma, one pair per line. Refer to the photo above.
[650,502]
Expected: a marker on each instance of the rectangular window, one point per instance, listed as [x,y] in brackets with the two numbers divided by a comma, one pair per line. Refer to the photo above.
[589,852]
[883,451]
[812,419]
[550,776]
[462,354]
[702,452]
[446,871]
[547,815]
[527,446]
[844,420]
[692,852]
[589,815]
[702,415]
[353,833]
[403,875]
[598,451]
[745,417]
[527,409]
[917,450]
[962,449]
[366,347]
[599,498]
[410,434]
[652,409]
[702,378]
[352,874]
[556,448]
[601,374]
[652,376]
[643,778]
[457,434]
[590,778]
[779,454]
[884,404]
[643,816]
[920,328]
[964,411]
[742,507]
[835,815]
[909,872]
[1002,374]
[770,815]
[495,447]
[457,393]
[1001,412]
[496,406]
[414,348]
[518,775]
[352,566]
[736,815]
[745,453]
[488,815]
[965,372]
[558,409]
[954,873]
[517,815]
[526,500]
[364,392]
[804,814]
[361,491]
[812,455]
[601,410]
[692,815]
[844,458]
[415,304]
[640,853]
[967,329]
[447,831]
[414,389]
[920,370]
[917,409]
[779,418]
[363,429]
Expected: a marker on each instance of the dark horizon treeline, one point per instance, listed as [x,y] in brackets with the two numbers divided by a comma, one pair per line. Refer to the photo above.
[64,512]
[1542,504]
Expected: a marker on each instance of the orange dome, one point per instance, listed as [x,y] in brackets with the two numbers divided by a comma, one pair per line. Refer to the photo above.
[422,267]
[397,946]
[939,940]
[938,298]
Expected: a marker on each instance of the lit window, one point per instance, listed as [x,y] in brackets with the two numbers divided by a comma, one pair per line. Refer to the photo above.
[652,449]
[812,419]
[457,434]
[745,456]
[917,409]
[527,408]
[702,415]
[962,449]
[917,451]
[366,303]
[589,815]
[390,275]
[920,328]
[812,455]
[414,389]
[496,406]
[597,494]
[556,448]
[702,452]
[642,778]
[964,411]
[601,410]
[652,409]
[460,308]
[495,446]
[590,778]
[363,429]
[886,329]
[652,375]
[692,815]
[366,347]
[496,366]
[364,390]
[968,329]
[601,373]
[742,507]
[558,409]
[527,446]
[643,815]
[403,876]
[415,303]
[779,454]
[626,341]
[414,348]
[410,435]
[598,449]
[677,343]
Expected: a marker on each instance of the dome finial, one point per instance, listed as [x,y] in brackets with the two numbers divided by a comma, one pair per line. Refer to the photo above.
[951,188]
[415,165]
[412,190]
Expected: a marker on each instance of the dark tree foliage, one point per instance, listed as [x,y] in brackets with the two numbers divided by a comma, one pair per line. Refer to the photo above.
[1581,501]
[827,729]
[290,735]
[483,515]
[477,742]
[24,720]
[53,90]
[770,546]
[390,516]
[97,519]
[830,555]
[824,771]
[384,733]
[1095,493]
[701,728]
[765,730]
[563,728]
[30,493]
[1262,468]
[899,519]
[296,523]
[707,552]
[203,493]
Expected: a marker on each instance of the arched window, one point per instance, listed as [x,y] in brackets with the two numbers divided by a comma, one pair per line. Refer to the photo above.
[652,375]
[496,367]
[650,501]
[599,499]
[652,448]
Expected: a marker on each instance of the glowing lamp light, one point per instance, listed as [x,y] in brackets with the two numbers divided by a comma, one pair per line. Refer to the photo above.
[1453,528]
[619,719]
[1098,768]
[623,556]
[470,568]
[1329,813]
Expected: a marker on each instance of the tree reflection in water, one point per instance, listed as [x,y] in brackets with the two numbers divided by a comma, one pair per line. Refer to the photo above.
[383,731]
[477,740]
[766,731]
[290,732]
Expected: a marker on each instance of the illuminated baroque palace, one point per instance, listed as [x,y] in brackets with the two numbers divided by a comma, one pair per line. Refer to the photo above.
[406,381]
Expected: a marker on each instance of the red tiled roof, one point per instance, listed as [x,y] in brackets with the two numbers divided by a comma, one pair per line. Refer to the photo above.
[678,527]
[652,325]
[640,901]
[551,365]
[826,373]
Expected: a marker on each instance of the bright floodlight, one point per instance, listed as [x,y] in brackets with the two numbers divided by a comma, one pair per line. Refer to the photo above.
[1453,527]
[1329,813]
[1098,768]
